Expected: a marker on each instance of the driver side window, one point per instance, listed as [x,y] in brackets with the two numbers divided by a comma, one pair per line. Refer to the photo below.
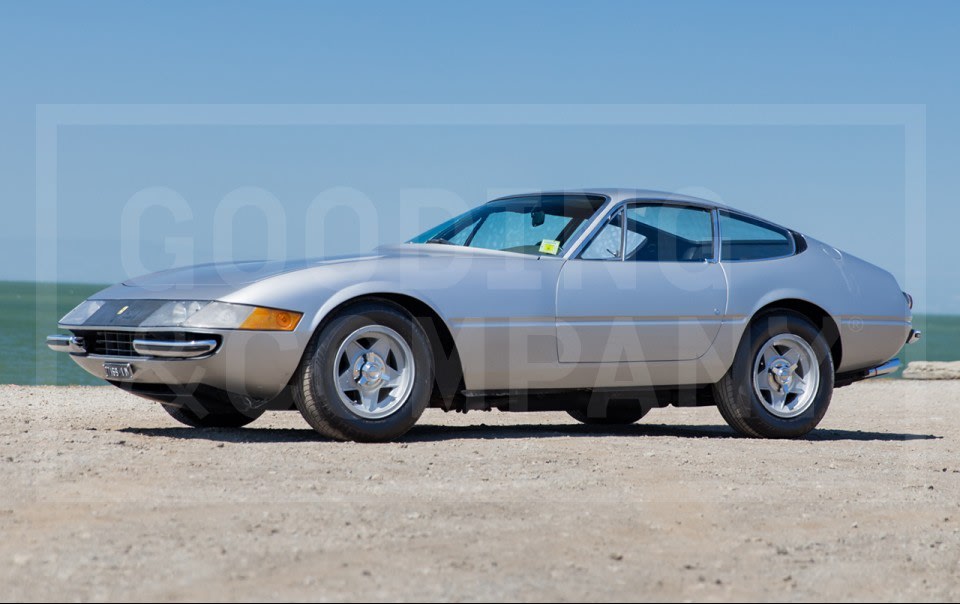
[655,232]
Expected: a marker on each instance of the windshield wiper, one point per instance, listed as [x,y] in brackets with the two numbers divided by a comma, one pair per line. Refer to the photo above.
[440,240]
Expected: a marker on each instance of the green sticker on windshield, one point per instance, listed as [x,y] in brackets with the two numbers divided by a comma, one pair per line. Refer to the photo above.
[549,246]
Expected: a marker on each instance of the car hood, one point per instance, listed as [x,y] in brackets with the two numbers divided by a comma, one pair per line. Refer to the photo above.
[236,274]
[246,281]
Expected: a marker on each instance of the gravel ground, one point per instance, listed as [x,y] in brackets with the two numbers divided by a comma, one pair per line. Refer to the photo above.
[104,497]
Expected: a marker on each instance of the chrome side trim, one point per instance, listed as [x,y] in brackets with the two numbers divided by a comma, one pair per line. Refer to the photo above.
[888,367]
[874,318]
[65,343]
[464,322]
[915,334]
[173,349]
[858,323]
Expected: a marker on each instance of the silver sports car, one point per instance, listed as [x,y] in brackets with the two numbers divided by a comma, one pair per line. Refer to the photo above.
[602,303]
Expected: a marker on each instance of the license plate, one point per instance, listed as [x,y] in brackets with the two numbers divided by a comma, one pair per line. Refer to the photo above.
[118,371]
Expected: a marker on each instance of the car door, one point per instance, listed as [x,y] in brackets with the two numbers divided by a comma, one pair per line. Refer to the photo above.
[646,287]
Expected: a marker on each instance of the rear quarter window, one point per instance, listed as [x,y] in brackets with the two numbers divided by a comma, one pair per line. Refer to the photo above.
[745,238]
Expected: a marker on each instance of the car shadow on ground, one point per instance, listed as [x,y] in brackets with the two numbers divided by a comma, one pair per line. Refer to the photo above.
[434,433]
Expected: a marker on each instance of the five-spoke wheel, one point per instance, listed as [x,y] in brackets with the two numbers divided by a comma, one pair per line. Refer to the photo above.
[367,374]
[786,375]
[374,372]
[781,380]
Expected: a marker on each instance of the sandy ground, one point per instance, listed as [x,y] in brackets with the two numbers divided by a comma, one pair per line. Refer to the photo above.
[104,497]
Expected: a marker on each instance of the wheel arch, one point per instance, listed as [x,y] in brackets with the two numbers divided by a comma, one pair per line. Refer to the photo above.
[448,366]
[816,314]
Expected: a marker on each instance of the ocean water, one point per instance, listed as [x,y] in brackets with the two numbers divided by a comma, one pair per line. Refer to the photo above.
[940,340]
[30,312]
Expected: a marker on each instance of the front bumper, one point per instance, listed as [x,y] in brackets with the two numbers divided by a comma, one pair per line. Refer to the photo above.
[174,349]
[64,343]
[258,364]
[170,349]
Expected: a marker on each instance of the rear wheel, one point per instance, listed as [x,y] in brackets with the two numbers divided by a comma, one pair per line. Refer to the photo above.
[781,380]
[367,375]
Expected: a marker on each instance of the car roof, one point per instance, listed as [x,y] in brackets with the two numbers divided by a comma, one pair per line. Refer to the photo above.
[617,195]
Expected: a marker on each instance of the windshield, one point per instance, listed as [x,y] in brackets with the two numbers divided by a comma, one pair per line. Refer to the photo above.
[526,225]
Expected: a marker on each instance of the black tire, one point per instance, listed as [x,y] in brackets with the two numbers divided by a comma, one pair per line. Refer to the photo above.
[318,399]
[614,414]
[737,399]
[201,413]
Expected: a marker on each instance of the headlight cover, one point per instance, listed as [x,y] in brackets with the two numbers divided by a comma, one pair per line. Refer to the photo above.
[187,313]
[222,315]
[82,312]
[174,313]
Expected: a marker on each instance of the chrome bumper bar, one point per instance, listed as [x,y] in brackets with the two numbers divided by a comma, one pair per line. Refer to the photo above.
[65,343]
[167,349]
[174,349]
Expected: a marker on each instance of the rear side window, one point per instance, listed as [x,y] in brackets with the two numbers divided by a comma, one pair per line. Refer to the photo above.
[745,238]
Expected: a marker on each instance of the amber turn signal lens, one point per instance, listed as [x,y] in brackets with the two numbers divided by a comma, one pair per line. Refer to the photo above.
[269,319]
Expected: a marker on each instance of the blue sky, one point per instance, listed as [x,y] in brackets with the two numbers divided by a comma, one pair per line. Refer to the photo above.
[845,184]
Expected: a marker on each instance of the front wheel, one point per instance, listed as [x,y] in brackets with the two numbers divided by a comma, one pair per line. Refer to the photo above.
[781,380]
[367,375]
